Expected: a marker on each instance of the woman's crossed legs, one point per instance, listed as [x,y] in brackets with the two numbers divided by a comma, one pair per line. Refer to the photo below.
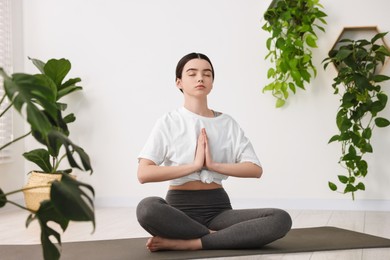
[232,229]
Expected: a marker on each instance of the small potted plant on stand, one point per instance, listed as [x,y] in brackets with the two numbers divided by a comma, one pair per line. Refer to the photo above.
[37,98]
[49,158]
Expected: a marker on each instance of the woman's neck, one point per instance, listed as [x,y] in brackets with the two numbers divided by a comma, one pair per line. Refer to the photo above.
[199,107]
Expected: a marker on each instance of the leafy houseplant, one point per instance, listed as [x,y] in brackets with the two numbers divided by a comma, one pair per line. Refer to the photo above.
[37,98]
[361,100]
[49,159]
[292,26]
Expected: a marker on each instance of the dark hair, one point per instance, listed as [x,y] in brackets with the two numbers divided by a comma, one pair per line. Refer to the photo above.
[183,61]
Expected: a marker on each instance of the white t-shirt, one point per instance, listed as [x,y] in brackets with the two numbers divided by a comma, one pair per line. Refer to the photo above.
[174,138]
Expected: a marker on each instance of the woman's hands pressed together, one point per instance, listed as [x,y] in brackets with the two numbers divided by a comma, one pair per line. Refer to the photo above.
[203,157]
[203,160]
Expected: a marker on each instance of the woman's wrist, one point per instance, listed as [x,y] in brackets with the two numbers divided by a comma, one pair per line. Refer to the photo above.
[196,167]
[213,166]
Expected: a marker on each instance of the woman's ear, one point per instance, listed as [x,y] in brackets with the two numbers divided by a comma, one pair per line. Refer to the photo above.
[179,85]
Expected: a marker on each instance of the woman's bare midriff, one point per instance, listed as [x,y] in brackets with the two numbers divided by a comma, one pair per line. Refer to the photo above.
[196,185]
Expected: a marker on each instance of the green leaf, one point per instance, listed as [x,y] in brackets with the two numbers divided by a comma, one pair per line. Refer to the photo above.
[306,58]
[352,150]
[367,133]
[269,43]
[35,94]
[45,214]
[376,107]
[48,82]
[362,166]
[304,28]
[350,164]
[363,42]
[332,186]
[349,188]
[280,102]
[355,137]
[367,148]
[346,40]
[361,186]
[319,13]
[296,75]
[383,50]
[284,90]
[70,199]
[53,145]
[349,157]
[3,198]
[349,99]
[68,87]
[271,73]
[57,70]
[343,54]
[292,87]
[343,179]
[280,43]
[361,82]
[39,64]
[269,87]
[381,122]
[311,40]
[345,136]
[378,36]
[361,54]
[293,64]
[339,119]
[71,149]
[345,124]
[70,118]
[382,97]
[40,157]
[306,75]
[334,138]
[380,78]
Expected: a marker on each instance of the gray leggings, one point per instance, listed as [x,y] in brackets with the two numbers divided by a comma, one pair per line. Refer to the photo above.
[192,214]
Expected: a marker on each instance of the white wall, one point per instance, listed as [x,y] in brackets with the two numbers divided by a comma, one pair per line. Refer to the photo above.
[126,53]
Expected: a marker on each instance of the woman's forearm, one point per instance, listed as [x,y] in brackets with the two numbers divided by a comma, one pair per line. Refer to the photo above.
[153,173]
[243,170]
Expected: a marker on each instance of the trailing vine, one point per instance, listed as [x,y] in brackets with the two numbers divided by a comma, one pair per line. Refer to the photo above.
[361,100]
[292,25]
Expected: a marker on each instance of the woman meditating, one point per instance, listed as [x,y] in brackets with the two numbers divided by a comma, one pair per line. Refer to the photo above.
[196,148]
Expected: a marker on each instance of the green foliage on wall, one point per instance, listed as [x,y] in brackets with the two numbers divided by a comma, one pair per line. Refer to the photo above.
[292,25]
[361,100]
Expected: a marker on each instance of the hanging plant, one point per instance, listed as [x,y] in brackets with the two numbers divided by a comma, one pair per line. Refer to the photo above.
[292,25]
[361,100]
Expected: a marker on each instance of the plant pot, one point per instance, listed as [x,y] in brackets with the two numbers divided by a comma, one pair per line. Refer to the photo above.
[34,197]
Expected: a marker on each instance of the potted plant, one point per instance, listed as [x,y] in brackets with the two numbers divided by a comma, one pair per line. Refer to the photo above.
[361,100]
[291,24]
[37,98]
[49,158]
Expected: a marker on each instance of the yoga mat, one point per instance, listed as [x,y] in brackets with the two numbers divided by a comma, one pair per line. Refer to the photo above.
[297,240]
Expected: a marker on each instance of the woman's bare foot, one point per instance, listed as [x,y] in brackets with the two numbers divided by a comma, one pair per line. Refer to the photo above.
[160,243]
